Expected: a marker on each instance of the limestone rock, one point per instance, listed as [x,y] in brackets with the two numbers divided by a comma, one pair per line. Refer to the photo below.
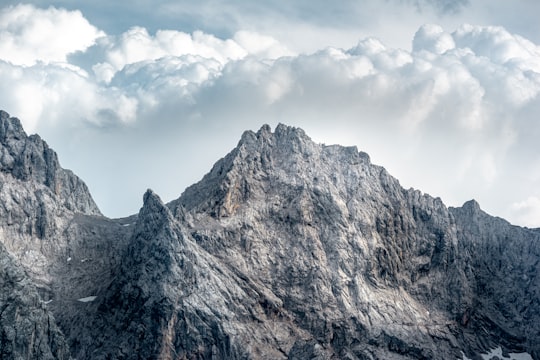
[369,269]
[28,158]
[285,249]
[171,299]
[51,226]
[27,327]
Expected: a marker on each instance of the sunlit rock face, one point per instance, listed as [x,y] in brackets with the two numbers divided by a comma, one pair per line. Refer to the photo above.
[285,249]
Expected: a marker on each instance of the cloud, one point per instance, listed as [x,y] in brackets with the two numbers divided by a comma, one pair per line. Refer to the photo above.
[261,46]
[527,212]
[498,45]
[29,34]
[138,46]
[434,39]
[441,6]
[456,116]
[453,100]
[55,95]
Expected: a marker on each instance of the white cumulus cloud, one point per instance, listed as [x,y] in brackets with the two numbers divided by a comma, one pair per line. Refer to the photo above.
[52,95]
[137,45]
[527,212]
[434,39]
[29,34]
[456,116]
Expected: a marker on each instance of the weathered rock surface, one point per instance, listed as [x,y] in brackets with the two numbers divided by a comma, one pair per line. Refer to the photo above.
[178,301]
[27,328]
[50,225]
[29,159]
[285,249]
[505,262]
[368,269]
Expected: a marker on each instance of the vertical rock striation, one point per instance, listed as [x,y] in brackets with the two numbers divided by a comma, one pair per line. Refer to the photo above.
[172,300]
[505,261]
[388,272]
[51,228]
[27,328]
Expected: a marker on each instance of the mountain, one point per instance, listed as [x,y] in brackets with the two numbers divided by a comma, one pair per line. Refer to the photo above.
[56,247]
[285,249]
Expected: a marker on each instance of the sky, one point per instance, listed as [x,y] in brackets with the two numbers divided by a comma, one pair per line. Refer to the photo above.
[149,94]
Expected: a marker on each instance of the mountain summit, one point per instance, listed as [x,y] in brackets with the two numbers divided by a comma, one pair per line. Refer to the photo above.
[285,249]
[29,159]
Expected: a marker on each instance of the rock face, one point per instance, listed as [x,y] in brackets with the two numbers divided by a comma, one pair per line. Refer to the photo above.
[368,269]
[27,328]
[178,301]
[505,260]
[29,159]
[56,247]
[285,249]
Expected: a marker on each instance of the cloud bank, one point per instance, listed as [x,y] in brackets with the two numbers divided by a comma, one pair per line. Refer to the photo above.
[29,35]
[455,116]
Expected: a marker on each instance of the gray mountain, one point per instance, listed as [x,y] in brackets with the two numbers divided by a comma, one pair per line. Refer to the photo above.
[27,329]
[285,249]
[60,247]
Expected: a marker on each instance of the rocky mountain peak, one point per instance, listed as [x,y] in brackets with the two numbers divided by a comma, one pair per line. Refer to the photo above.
[26,157]
[153,207]
[296,208]
[265,158]
[288,142]
[283,131]
[29,158]
[283,136]
[10,127]
[154,218]
[472,206]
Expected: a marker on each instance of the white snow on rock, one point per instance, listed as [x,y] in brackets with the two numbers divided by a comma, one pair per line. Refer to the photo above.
[87,299]
[497,352]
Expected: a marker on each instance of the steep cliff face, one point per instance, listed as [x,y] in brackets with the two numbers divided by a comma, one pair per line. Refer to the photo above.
[27,328]
[285,249]
[505,260]
[50,225]
[30,160]
[39,198]
[368,269]
[173,300]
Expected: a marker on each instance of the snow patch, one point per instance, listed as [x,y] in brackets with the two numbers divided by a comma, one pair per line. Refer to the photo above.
[87,299]
[513,356]
[497,352]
